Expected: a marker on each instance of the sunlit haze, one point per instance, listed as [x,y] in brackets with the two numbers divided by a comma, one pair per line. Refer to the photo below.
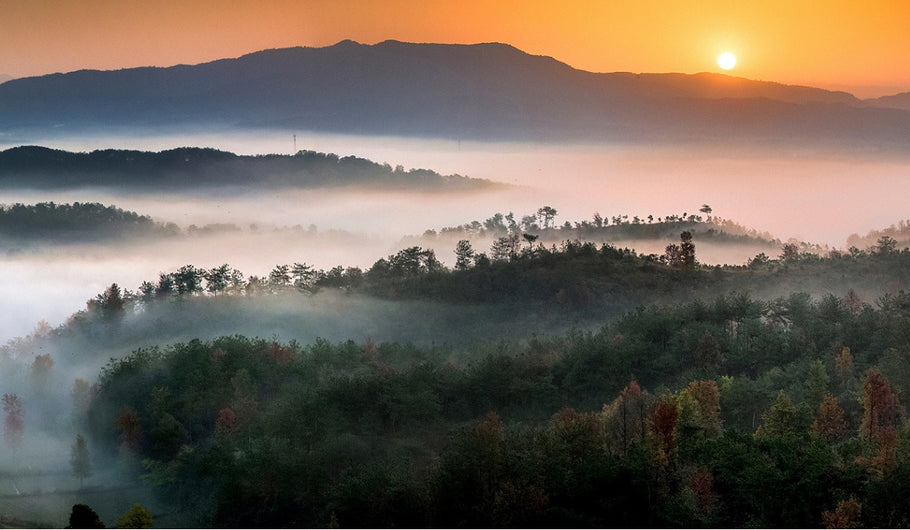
[851,45]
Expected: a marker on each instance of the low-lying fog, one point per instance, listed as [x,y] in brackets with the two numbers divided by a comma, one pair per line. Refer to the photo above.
[816,196]
[819,198]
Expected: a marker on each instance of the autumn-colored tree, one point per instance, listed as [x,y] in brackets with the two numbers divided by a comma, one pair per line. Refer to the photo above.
[701,484]
[625,420]
[14,420]
[846,515]
[663,427]
[886,457]
[707,397]
[881,412]
[225,423]
[280,355]
[130,428]
[830,423]
[579,434]
[881,408]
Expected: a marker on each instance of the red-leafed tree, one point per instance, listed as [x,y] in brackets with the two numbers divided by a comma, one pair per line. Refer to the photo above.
[625,420]
[280,355]
[663,426]
[130,428]
[881,412]
[225,423]
[701,482]
[881,408]
[14,420]
[830,423]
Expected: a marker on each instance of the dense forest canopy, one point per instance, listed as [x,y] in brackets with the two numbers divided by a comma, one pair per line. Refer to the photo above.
[670,416]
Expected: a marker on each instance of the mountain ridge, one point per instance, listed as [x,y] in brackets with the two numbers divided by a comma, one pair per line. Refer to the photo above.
[490,91]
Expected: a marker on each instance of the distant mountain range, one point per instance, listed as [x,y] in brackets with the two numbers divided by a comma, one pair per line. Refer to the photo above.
[482,91]
[195,168]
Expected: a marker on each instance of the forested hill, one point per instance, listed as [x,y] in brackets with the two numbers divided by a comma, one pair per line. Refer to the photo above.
[48,222]
[193,168]
[724,411]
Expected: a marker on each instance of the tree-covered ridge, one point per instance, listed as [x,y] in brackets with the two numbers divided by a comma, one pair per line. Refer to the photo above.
[544,225]
[899,234]
[76,222]
[734,412]
[572,276]
[193,168]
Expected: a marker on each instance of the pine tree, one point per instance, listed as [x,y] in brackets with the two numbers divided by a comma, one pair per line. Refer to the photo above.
[781,419]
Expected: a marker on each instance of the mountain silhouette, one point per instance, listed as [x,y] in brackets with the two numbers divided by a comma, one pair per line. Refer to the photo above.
[482,91]
[896,101]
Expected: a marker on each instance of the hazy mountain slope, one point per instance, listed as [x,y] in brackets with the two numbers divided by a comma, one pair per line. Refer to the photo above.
[193,168]
[896,101]
[464,91]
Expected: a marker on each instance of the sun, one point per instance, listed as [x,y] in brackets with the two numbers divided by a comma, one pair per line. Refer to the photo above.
[726,60]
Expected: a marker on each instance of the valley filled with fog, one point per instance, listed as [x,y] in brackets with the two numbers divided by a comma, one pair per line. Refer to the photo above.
[810,196]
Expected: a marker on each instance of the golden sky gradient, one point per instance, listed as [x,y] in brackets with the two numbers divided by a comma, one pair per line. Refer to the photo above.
[860,46]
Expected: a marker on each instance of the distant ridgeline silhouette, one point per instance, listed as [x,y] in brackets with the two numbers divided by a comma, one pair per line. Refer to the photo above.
[189,167]
[481,91]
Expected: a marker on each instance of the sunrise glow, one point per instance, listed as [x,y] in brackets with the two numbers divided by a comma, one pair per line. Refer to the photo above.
[726,61]
[857,44]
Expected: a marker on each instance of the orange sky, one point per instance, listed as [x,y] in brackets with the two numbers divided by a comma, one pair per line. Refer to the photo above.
[860,46]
